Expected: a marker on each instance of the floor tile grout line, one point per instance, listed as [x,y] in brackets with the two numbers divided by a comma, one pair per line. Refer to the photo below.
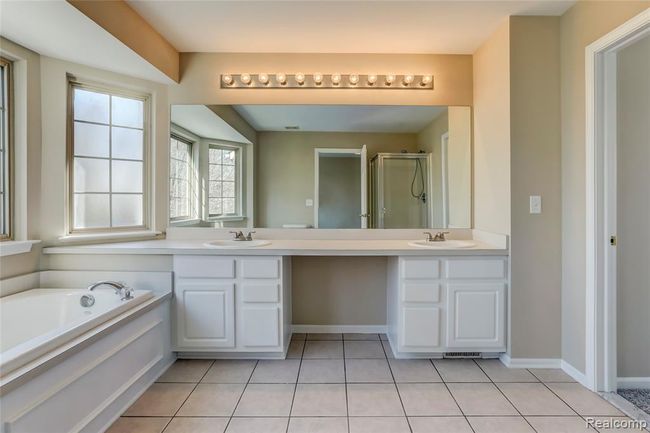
[241,395]
[345,381]
[390,369]
[583,417]
[196,385]
[295,388]
[452,395]
[504,395]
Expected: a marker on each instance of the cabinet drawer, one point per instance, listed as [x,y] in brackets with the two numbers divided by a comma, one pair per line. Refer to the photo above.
[204,267]
[420,327]
[260,292]
[486,268]
[260,268]
[420,268]
[415,291]
[260,326]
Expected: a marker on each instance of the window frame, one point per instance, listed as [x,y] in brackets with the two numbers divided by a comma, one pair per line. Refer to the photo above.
[8,160]
[190,165]
[239,184]
[111,90]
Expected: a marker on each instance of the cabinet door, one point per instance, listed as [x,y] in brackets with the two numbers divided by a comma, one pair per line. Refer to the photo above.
[205,314]
[476,315]
[260,326]
[420,327]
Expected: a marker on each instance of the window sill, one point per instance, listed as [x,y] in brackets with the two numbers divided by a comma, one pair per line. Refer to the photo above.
[11,248]
[114,236]
[228,218]
[182,223]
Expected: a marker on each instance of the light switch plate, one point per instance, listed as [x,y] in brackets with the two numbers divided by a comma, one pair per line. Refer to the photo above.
[309,203]
[535,204]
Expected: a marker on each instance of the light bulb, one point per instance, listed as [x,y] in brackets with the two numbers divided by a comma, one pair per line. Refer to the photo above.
[354,79]
[426,79]
[372,79]
[300,78]
[336,79]
[389,79]
[245,78]
[318,78]
[263,78]
[408,79]
[227,79]
[281,78]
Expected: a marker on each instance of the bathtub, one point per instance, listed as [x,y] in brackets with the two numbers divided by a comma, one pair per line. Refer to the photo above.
[36,321]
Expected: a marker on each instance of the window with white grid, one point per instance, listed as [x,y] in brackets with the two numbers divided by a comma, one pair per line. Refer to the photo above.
[5,150]
[180,169]
[224,194]
[108,159]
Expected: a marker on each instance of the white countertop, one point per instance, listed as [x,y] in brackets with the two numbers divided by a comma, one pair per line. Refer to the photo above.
[281,247]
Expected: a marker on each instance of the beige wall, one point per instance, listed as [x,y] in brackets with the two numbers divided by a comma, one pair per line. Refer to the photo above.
[579,26]
[200,78]
[492,133]
[285,169]
[459,167]
[535,250]
[633,201]
[54,108]
[339,290]
[27,156]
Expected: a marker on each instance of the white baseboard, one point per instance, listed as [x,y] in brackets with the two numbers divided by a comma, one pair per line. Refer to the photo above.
[529,362]
[576,374]
[633,382]
[320,329]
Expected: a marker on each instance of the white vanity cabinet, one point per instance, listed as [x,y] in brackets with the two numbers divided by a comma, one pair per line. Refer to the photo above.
[442,304]
[232,304]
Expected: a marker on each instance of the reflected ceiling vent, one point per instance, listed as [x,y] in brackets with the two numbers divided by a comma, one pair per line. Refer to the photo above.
[292,128]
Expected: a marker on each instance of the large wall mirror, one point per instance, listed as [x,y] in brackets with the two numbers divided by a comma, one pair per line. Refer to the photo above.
[320,166]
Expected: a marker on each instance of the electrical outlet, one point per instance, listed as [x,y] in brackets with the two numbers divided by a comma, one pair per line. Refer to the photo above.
[309,203]
[535,204]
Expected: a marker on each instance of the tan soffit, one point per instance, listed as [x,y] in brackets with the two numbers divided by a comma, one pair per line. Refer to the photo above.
[120,20]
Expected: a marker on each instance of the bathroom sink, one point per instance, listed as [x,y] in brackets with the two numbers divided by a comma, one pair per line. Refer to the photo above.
[443,244]
[237,244]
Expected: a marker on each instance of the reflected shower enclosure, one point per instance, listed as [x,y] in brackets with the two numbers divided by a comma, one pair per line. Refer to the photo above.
[400,190]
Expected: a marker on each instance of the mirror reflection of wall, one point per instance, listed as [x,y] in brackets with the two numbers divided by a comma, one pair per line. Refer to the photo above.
[302,166]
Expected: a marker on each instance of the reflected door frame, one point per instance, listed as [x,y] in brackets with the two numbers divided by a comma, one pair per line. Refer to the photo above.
[362,154]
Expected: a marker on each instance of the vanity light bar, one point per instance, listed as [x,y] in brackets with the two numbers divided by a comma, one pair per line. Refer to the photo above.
[326,81]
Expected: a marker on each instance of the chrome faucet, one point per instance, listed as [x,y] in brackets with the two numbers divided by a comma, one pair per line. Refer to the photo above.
[121,289]
[239,236]
[438,237]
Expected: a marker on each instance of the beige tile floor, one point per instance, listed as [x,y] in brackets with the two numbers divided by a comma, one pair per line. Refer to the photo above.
[334,383]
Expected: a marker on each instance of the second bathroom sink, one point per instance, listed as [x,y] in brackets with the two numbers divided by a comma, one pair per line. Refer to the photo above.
[237,244]
[441,245]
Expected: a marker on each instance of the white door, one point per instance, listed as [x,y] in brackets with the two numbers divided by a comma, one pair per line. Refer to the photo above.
[205,314]
[364,187]
[476,315]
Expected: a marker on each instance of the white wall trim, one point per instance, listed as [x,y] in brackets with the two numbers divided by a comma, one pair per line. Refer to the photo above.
[576,374]
[530,362]
[600,326]
[633,382]
[320,329]
[10,248]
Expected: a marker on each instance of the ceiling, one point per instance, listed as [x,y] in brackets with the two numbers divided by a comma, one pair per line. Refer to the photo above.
[58,29]
[340,118]
[453,27]
[203,122]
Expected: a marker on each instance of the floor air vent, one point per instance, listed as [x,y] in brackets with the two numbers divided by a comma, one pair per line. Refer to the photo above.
[461,355]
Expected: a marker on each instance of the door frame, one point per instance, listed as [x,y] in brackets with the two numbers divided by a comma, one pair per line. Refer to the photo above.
[444,157]
[360,152]
[600,80]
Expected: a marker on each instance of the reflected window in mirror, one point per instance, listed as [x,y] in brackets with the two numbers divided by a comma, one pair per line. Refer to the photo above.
[180,177]
[224,193]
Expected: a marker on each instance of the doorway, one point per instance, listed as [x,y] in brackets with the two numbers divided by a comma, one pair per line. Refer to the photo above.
[340,188]
[618,209]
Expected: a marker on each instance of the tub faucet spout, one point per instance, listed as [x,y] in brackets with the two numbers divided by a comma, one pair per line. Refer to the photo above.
[121,289]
